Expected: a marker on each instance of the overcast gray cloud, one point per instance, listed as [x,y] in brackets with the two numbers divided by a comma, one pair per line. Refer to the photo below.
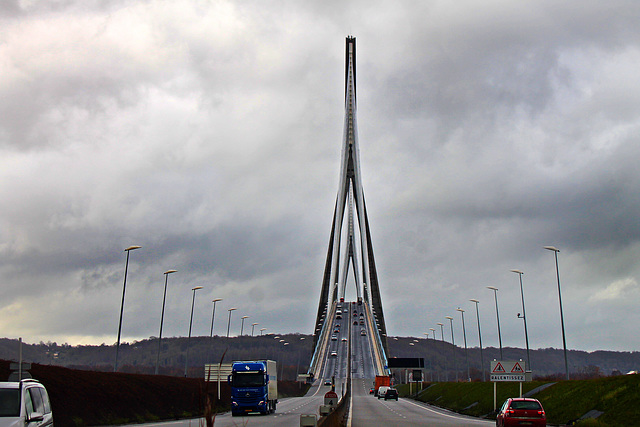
[209,132]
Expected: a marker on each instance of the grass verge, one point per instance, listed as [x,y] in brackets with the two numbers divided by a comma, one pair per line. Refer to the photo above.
[565,401]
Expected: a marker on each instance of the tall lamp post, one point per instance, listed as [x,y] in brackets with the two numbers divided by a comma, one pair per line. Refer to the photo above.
[495,295]
[213,316]
[446,367]
[262,330]
[464,334]
[229,321]
[433,332]
[564,341]
[524,316]
[124,287]
[479,337]
[253,325]
[453,346]
[193,302]
[242,324]
[164,298]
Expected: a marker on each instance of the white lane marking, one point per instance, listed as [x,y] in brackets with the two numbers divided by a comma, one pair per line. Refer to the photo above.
[440,413]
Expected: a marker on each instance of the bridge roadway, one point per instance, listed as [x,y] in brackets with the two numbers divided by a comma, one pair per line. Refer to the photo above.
[366,410]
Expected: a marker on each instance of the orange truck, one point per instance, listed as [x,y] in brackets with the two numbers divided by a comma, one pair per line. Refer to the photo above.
[381,380]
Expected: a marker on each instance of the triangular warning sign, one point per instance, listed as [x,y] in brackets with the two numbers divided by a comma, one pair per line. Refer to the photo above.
[517,368]
[499,368]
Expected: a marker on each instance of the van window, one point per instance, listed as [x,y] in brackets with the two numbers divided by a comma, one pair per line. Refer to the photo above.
[45,400]
[36,398]
[9,402]
[28,403]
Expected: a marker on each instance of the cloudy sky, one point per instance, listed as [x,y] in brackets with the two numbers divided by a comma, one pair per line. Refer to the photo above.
[209,133]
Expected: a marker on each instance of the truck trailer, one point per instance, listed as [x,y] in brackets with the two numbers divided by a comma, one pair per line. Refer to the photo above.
[380,381]
[254,387]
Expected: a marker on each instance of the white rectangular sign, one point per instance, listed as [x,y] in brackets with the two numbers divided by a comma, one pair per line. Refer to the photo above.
[211,371]
[503,370]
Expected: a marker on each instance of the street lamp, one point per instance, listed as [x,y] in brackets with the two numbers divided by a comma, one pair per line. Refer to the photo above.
[242,324]
[213,316]
[193,302]
[564,342]
[453,347]
[495,295]
[479,336]
[262,330]
[464,334]
[124,287]
[446,367]
[164,298]
[253,325]
[524,316]
[229,321]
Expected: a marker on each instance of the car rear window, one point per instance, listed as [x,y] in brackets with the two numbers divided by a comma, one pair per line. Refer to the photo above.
[9,402]
[525,404]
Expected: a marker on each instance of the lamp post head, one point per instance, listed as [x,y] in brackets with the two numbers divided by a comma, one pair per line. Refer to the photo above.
[474,300]
[254,324]
[552,248]
[170,271]
[440,324]
[448,317]
[216,299]
[493,288]
[231,309]
[196,288]
[131,248]
[460,310]
[263,329]
[517,271]
[244,317]
[432,329]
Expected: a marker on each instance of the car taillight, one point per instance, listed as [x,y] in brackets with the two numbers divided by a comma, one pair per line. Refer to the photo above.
[541,413]
[510,412]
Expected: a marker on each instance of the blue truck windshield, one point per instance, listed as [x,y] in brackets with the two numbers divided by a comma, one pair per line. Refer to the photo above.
[249,379]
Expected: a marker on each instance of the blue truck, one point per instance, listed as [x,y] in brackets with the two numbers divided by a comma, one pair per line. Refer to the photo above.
[254,387]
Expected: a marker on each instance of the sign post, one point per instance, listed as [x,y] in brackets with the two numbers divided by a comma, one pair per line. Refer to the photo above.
[508,371]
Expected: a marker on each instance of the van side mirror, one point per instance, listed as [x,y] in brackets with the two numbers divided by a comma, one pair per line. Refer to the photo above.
[35,417]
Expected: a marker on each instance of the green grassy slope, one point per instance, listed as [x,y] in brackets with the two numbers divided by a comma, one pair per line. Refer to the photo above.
[564,401]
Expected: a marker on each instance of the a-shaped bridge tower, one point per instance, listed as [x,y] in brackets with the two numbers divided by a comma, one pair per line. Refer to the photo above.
[350,198]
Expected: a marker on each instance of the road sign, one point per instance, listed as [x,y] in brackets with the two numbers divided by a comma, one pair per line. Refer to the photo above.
[503,370]
[15,366]
[331,398]
[211,371]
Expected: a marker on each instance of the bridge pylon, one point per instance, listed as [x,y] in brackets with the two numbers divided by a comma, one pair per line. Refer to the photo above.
[350,199]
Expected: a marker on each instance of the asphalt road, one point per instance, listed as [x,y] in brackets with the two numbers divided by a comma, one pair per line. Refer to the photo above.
[368,410]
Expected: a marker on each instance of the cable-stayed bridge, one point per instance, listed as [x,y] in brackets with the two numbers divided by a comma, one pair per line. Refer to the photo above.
[350,259]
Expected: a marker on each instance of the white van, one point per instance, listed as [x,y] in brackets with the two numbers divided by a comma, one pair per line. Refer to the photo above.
[24,403]
[382,391]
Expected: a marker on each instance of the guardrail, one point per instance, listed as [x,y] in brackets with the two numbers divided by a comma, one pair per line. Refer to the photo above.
[338,417]
[322,341]
[379,355]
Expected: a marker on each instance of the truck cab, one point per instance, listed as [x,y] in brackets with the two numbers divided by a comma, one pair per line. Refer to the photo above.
[254,387]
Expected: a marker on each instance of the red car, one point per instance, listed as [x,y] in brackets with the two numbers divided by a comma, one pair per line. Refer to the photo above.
[521,411]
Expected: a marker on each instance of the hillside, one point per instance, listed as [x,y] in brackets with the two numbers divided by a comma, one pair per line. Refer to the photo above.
[140,357]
